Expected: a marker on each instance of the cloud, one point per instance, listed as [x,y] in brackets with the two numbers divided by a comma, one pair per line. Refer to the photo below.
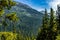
[40,9]
[54,4]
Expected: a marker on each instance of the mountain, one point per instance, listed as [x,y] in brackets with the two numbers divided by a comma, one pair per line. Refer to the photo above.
[30,19]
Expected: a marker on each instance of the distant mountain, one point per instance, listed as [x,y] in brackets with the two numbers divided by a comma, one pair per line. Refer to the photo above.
[30,19]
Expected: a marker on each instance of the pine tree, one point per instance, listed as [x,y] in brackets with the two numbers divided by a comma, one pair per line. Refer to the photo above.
[49,29]
[52,26]
[51,18]
[42,35]
[45,20]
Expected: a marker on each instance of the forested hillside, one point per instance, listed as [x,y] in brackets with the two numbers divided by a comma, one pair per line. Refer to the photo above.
[29,18]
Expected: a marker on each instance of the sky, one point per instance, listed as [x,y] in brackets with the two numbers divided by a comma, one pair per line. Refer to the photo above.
[41,4]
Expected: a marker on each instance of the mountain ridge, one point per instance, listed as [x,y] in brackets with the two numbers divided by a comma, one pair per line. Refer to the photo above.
[30,19]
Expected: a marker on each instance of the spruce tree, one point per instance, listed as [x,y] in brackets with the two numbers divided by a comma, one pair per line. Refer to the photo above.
[49,29]
[52,26]
[52,30]
[42,35]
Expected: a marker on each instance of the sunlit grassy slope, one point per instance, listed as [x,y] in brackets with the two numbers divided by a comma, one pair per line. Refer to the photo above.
[8,35]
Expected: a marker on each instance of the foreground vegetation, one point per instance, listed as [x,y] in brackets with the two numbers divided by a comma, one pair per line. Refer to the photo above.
[7,36]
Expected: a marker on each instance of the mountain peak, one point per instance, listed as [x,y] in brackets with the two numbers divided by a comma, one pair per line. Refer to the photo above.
[22,4]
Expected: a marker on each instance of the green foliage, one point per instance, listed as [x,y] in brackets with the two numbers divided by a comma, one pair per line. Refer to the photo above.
[12,17]
[6,4]
[7,36]
[45,20]
[58,37]
[49,29]
[53,24]
[51,18]
[1,12]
